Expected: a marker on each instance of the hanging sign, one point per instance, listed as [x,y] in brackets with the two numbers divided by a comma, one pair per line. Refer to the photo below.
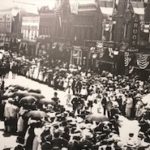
[134,38]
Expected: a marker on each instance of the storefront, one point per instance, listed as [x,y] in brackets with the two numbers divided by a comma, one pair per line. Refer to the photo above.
[107,57]
[27,48]
[76,56]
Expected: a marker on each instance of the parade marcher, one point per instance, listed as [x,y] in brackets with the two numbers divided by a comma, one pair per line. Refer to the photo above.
[109,106]
[90,101]
[14,117]
[10,114]
[30,138]
[78,86]
[69,95]
[84,92]
[55,99]
[129,105]
[104,103]
[77,104]
[73,86]
[7,117]
[71,129]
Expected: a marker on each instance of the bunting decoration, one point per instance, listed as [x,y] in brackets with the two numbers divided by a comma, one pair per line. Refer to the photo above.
[142,61]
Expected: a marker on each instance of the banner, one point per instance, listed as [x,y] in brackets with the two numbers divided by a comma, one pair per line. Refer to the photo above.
[138,60]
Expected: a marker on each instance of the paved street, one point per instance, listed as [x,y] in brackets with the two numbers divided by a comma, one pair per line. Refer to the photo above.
[46,91]
[126,125]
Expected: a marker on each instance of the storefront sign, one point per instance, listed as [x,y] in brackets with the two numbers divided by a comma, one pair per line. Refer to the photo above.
[109,44]
[132,50]
[134,38]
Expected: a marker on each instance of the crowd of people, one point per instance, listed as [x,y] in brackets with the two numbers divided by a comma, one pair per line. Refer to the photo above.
[90,120]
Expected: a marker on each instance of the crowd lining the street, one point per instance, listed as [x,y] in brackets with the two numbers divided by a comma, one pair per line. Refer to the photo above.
[90,121]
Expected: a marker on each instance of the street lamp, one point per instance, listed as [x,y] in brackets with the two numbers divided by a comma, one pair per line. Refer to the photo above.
[116,53]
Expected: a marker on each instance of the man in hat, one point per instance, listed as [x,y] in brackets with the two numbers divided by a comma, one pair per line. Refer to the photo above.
[55,99]
[7,116]
[57,142]
[104,103]
[87,143]
[77,104]
[78,86]
[10,114]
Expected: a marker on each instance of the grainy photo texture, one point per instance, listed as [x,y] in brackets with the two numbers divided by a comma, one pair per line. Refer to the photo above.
[74,74]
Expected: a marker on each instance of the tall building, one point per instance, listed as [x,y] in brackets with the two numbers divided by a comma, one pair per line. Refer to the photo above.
[86,29]
[30,27]
[30,33]
[47,22]
[5,22]
[84,22]
[9,27]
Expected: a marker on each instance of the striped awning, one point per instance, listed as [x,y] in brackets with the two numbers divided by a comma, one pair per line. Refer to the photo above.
[138,7]
[106,7]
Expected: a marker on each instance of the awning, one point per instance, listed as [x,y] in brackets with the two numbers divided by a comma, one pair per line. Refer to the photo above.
[77,6]
[138,8]
[106,7]
[107,11]
[86,7]
[106,62]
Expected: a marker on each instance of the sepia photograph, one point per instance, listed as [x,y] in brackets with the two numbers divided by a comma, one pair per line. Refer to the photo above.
[74,74]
